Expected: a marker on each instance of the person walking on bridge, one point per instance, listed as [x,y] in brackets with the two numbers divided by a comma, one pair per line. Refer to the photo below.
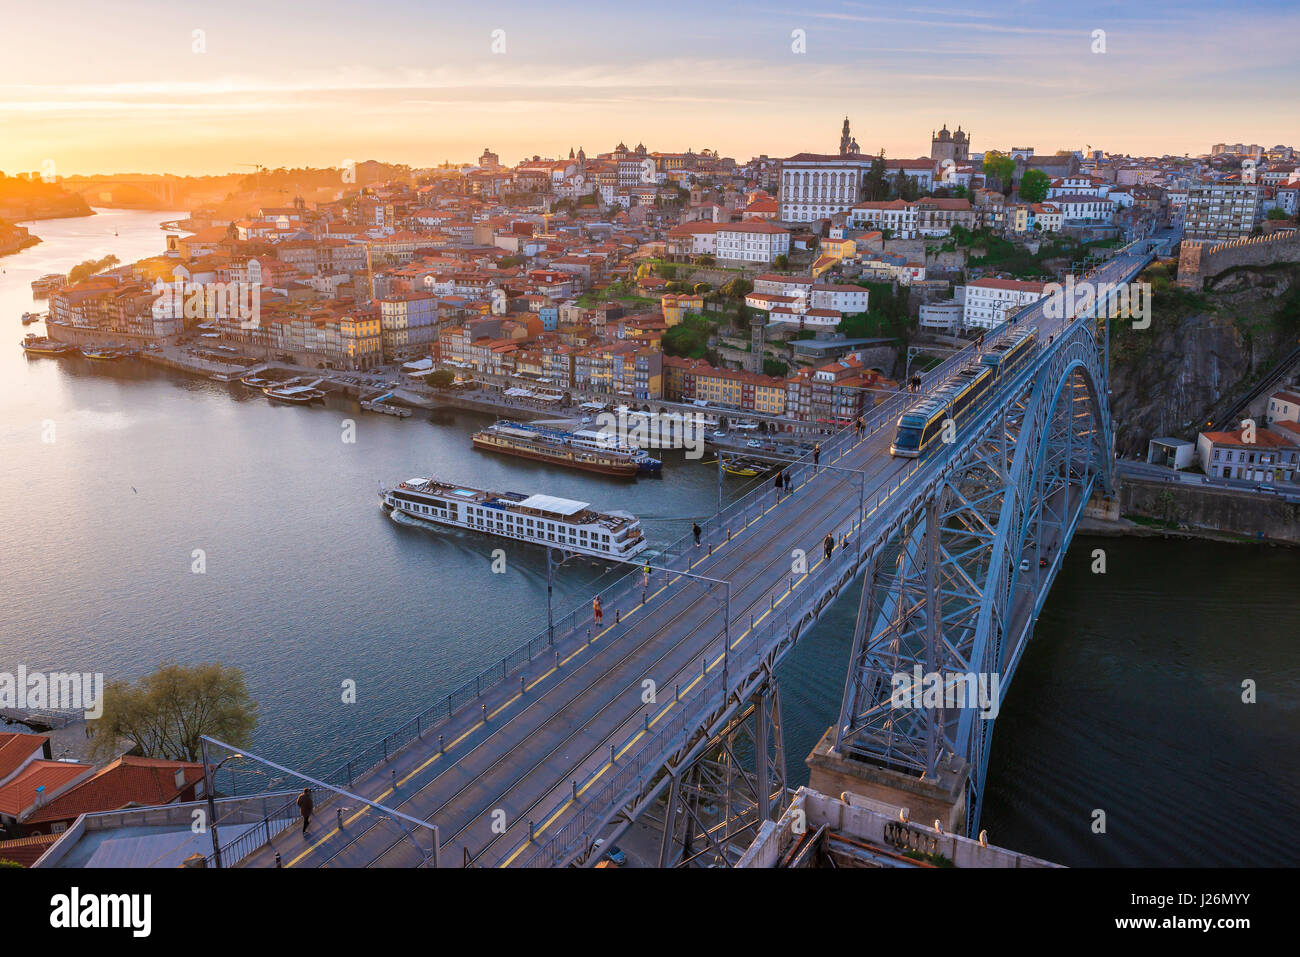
[695,529]
[828,546]
[817,455]
[305,807]
[785,478]
[776,484]
[859,424]
[597,613]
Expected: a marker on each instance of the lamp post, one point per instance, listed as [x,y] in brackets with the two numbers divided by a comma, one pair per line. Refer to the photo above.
[209,776]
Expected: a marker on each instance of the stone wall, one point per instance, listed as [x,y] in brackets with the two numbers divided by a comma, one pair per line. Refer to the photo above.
[1258,515]
[1201,260]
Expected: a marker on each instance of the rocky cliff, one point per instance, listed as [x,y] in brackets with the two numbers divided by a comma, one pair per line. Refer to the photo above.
[1202,350]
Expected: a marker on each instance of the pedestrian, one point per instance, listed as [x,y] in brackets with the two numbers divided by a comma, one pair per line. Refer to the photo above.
[786,479]
[817,454]
[860,426]
[305,807]
[695,528]
[596,611]
[645,575]
[776,484]
[828,546]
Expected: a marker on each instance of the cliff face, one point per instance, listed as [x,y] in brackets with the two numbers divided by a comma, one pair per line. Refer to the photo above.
[1201,352]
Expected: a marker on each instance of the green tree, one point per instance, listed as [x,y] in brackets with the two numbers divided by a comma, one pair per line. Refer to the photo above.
[165,713]
[737,288]
[91,267]
[776,368]
[1033,186]
[1000,167]
[781,262]
[441,379]
[874,185]
[689,339]
[1275,213]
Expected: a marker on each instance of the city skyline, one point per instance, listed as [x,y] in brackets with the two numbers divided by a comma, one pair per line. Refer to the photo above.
[266,87]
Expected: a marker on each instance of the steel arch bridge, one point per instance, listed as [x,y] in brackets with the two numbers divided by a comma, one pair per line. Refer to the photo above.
[955,583]
[957,551]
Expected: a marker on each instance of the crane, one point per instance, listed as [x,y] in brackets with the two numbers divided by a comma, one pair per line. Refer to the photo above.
[257,175]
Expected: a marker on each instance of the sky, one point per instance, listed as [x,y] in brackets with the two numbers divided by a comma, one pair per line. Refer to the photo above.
[195,88]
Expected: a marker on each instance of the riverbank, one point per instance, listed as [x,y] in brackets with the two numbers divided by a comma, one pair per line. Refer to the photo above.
[1129,528]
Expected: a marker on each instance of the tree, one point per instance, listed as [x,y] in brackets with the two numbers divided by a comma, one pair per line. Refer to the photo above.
[875,186]
[441,379]
[1033,186]
[737,288]
[781,262]
[1275,213]
[90,268]
[776,368]
[999,167]
[689,338]
[165,713]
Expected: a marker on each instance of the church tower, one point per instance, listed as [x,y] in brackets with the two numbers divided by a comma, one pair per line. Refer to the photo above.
[848,145]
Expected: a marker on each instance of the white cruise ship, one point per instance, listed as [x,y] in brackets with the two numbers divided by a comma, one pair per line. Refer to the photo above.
[537,519]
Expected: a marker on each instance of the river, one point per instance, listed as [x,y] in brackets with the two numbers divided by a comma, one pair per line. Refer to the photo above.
[1127,700]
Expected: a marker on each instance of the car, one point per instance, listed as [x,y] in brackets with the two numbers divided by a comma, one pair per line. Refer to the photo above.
[1024,564]
[1042,563]
[614,854]
[720,434]
[754,444]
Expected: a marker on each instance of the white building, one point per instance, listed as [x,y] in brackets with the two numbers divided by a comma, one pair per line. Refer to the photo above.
[817,186]
[897,216]
[990,301]
[754,240]
[841,297]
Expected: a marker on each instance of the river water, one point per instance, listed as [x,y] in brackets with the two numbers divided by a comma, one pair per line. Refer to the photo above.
[1127,701]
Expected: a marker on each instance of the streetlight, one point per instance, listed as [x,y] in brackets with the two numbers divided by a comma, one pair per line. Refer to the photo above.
[209,775]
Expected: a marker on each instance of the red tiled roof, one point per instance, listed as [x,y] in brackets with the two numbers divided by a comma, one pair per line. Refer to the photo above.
[128,780]
[20,793]
[26,850]
[17,747]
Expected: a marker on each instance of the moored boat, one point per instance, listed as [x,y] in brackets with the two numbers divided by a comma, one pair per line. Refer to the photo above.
[35,345]
[512,438]
[104,355]
[293,394]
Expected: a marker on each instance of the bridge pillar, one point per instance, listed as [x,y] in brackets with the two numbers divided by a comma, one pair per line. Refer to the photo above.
[941,796]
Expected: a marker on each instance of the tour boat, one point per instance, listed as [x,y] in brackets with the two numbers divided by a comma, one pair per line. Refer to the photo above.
[511,438]
[104,355]
[536,519]
[293,394]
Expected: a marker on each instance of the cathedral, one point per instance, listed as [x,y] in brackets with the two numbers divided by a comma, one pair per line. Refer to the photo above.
[949,146]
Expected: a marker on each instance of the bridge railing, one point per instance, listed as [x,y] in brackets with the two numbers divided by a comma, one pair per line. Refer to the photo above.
[771,615]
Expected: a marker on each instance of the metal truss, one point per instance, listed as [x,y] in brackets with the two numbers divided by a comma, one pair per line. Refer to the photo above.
[954,585]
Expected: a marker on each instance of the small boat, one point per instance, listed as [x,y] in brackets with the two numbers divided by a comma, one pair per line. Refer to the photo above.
[30,317]
[104,355]
[35,345]
[256,383]
[293,394]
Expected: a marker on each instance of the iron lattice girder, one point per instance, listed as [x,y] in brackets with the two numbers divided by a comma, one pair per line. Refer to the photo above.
[940,585]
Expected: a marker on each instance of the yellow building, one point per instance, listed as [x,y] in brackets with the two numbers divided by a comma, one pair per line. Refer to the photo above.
[840,249]
[361,338]
[675,306]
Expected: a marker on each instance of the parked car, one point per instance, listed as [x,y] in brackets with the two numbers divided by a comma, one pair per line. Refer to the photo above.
[720,434]
[614,854]
[754,444]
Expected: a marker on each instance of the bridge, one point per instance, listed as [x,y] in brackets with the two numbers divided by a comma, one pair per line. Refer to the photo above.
[667,712]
